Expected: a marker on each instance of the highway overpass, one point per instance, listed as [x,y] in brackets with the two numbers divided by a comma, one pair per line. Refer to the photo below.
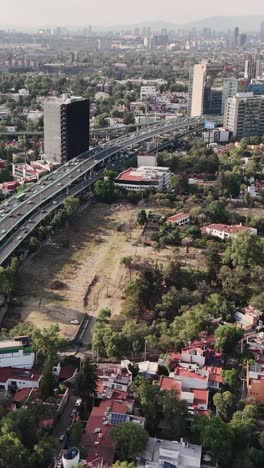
[19,219]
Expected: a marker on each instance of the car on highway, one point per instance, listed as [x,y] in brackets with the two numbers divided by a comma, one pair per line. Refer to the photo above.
[19,237]
[3,231]
[59,184]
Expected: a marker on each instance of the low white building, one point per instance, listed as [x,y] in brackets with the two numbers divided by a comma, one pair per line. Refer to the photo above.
[147,91]
[144,177]
[16,379]
[217,135]
[15,354]
[223,231]
[180,219]
[159,453]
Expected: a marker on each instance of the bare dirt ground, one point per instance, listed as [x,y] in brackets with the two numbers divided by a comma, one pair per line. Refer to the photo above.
[258,212]
[80,271]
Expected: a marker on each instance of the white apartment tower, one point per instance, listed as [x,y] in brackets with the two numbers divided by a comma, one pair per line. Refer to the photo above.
[244,115]
[202,77]
[252,68]
[229,90]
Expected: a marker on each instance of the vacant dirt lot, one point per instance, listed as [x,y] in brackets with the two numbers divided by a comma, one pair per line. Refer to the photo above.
[80,271]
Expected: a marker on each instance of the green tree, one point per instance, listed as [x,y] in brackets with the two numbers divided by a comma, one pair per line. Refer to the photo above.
[45,342]
[142,217]
[104,190]
[230,377]
[128,118]
[86,382]
[124,464]
[44,452]
[101,121]
[227,338]
[151,402]
[129,440]
[217,437]
[23,423]
[71,205]
[76,434]
[47,383]
[175,412]
[224,403]
[245,250]
[13,453]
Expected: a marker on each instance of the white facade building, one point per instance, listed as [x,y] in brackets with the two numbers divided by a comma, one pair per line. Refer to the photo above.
[230,86]
[172,453]
[144,177]
[15,354]
[147,91]
[223,231]
[244,115]
[17,379]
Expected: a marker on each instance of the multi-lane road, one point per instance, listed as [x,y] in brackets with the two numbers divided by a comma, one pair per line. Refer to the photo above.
[18,219]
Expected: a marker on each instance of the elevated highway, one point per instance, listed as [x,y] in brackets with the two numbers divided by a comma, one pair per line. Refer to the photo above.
[19,219]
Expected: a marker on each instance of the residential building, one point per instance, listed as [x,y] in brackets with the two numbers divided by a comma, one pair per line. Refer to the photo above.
[230,86]
[96,436]
[213,100]
[147,92]
[148,369]
[13,378]
[66,128]
[248,319]
[180,219]
[216,135]
[201,79]
[14,353]
[252,68]
[223,231]
[196,399]
[165,453]
[30,172]
[244,115]
[256,86]
[144,177]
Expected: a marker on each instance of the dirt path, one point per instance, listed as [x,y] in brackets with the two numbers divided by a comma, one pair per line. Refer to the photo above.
[83,261]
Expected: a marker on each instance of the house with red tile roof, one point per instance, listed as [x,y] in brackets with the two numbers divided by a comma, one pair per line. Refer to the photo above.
[180,219]
[197,399]
[96,436]
[223,231]
[16,378]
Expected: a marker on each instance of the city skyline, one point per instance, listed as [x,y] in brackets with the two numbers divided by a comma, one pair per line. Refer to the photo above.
[78,13]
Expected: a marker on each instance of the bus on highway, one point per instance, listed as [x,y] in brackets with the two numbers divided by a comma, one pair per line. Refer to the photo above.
[21,196]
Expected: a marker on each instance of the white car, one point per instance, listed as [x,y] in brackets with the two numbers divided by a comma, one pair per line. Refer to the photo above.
[75,322]
[3,231]
[78,403]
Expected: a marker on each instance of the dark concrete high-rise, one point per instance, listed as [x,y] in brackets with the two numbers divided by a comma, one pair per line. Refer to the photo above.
[66,128]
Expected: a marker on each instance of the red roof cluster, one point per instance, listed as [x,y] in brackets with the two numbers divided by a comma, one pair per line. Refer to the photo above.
[14,373]
[96,437]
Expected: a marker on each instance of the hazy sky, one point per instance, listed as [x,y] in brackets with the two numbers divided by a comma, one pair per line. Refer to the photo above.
[104,12]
